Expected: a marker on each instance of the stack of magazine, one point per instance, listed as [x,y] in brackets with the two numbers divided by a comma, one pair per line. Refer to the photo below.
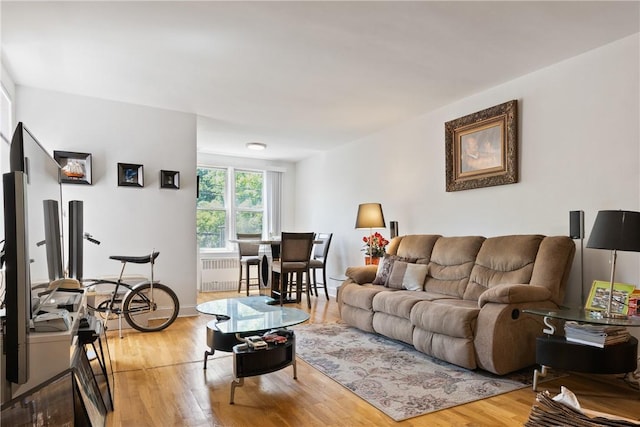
[595,335]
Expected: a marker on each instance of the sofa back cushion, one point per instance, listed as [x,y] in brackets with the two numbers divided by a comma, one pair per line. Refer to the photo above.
[451,263]
[553,265]
[503,260]
[414,246]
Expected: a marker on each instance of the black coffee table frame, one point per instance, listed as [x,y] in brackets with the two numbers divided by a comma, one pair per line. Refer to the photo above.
[553,351]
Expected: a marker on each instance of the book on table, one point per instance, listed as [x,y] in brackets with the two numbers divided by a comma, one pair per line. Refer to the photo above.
[595,335]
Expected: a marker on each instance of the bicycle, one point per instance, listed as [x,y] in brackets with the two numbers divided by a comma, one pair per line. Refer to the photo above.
[147,306]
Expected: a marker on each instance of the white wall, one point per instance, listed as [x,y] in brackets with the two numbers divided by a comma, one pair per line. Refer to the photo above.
[579,150]
[128,220]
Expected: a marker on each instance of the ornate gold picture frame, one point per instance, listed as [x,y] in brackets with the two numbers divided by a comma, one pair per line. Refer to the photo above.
[481,149]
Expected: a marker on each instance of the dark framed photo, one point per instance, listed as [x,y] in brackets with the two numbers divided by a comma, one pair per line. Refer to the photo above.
[482,148]
[130,175]
[170,179]
[76,167]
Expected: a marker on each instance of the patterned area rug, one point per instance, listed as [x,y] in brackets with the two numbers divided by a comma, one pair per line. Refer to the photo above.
[392,376]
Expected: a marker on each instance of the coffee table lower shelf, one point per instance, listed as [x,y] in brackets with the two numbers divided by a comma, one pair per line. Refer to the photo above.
[556,352]
[249,362]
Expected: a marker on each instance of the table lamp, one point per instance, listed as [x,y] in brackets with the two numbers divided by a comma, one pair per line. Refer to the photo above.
[370,216]
[616,231]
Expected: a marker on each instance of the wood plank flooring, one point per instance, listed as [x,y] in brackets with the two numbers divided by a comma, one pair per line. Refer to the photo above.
[159,380]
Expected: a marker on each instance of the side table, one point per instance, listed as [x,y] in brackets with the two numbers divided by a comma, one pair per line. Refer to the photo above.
[554,351]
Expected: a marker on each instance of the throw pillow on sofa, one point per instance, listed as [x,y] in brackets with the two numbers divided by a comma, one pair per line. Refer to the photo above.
[405,275]
[384,268]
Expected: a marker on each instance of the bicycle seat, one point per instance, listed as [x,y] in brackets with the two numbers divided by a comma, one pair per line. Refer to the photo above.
[136,259]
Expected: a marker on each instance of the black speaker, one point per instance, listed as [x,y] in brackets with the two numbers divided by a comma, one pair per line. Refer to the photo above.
[393,227]
[576,224]
[76,235]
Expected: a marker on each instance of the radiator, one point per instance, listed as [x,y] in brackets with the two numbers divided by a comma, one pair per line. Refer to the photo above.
[219,274]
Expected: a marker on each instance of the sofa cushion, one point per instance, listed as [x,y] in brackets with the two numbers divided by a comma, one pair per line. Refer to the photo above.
[384,268]
[409,276]
[503,260]
[553,265]
[451,263]
[459,351]
[416,246]
[360,296]
[398,303]
[454,318]
[393,327]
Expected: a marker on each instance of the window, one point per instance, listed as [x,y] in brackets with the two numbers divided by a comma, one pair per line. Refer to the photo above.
[230,201]
[249,211]
[211,215]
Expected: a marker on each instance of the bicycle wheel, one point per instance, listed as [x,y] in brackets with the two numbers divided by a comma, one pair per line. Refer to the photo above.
[103,308]
[150,310]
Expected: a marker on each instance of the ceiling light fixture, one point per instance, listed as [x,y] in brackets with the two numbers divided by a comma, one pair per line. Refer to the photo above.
[258,146]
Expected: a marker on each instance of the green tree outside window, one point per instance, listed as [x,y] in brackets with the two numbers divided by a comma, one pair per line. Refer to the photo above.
[246,207]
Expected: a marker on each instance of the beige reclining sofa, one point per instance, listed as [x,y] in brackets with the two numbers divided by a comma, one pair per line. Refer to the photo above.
[460,299]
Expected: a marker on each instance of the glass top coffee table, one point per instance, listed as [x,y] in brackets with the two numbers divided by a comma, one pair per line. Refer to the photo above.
[244,316]
[237,318]
[250,314]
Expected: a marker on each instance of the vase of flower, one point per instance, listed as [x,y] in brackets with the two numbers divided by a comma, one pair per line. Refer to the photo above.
[374,248]
[372,260]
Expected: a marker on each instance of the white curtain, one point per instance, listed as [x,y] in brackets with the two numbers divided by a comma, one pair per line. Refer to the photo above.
[274,203]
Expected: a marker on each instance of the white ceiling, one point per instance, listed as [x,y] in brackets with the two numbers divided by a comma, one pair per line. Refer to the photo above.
[302,77]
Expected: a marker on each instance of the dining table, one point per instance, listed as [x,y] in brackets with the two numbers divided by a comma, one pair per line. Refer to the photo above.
[269,249]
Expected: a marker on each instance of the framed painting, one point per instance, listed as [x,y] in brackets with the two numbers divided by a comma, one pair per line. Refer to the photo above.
[130,175]
[481,149]
[599,297]
[76,167]
[169,179]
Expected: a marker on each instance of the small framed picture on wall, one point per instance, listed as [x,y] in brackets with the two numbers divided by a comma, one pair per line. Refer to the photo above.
[130,175]
[170,179]
[75,167]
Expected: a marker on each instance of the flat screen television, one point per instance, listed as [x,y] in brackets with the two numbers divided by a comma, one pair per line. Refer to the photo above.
[32,201]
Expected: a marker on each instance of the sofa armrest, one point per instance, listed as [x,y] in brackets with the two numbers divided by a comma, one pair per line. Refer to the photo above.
[362,273]
[513,294]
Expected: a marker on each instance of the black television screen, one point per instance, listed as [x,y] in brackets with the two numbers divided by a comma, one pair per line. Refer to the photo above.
[44,201]
[33,240]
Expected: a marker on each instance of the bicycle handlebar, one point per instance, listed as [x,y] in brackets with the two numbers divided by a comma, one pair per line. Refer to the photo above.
[90,238]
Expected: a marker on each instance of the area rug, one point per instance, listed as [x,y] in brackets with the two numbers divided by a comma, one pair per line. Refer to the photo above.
[392,376]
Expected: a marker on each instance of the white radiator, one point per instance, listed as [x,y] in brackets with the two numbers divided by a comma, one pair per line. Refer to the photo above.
[219,274]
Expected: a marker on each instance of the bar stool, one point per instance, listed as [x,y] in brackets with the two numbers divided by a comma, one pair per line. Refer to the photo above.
[295,251]
[319,261]
[248,256]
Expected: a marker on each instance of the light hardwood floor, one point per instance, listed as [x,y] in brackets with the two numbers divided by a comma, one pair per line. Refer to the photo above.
[159,380]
